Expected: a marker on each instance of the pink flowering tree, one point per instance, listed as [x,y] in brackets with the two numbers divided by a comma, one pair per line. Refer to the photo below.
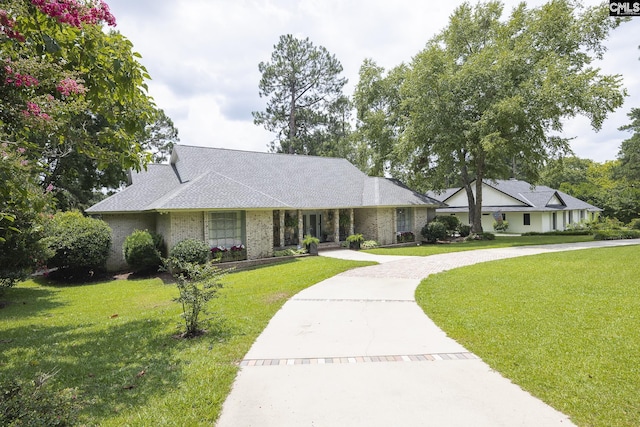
[74,106]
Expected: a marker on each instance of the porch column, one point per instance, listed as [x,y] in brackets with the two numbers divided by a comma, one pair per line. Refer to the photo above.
[282,214]
[351,225]
[300,228]
[336,225]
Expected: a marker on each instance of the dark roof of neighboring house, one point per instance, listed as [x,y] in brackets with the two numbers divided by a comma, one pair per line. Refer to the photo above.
[534,198]
[214,178]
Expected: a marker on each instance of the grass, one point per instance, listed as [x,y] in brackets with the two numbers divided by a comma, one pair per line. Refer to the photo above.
[499,242]
[562,326]
[114,341]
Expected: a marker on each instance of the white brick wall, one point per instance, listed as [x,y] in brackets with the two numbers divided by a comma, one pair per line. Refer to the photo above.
[121,227]
[259,229]
[185,225]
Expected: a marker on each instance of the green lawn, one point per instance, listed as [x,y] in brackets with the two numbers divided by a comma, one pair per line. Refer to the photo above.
[499,242]
[113,341]
[565,327]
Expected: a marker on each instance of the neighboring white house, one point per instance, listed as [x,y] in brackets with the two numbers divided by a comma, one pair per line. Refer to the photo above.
[527,208]
[259,201]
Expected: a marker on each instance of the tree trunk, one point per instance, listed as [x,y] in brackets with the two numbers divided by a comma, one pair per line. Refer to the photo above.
[292,120]
[476,226]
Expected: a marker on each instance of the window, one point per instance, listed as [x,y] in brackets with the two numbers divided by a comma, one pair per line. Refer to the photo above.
[526,219]
[403,220]
[570,217]
[226,229]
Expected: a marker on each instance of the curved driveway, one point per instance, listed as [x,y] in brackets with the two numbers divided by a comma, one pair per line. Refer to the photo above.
[356,350]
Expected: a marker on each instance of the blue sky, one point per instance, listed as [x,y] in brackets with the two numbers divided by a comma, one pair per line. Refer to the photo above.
[203,57]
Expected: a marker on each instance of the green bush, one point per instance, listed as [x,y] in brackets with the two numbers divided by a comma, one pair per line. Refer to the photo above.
[369,244]
[190,250]
[140,251]
[451,222]
[197,285]
[77,244]
[464,230]
[434,231]
[501,226]
[35,404]
[635,224]
[616,234]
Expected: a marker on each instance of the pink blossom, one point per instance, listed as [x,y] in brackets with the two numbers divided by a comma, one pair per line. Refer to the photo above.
[67,86]
[21,150]
[49,188]
[75,13]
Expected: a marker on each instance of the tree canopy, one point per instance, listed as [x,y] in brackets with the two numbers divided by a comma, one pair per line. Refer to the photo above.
[305,107]
[490,91]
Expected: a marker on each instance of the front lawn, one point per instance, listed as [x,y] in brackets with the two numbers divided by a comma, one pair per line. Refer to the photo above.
[563,326]
[499,242]
[114,341]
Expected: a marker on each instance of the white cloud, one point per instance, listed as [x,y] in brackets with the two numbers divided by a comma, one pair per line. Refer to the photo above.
[203,57]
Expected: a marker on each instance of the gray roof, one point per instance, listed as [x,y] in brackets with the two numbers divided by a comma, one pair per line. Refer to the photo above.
[214,178]
[535,198]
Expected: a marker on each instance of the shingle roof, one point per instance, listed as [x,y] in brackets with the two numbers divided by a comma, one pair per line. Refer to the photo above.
[536,198]
[213,178]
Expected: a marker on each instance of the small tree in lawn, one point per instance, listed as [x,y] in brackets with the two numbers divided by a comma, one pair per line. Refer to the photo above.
[198,284]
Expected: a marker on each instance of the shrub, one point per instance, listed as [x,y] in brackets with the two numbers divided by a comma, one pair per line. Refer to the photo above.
[405,237]
[616,234]
[434,231]
[189,251]
[635,224]
[501,225]
[464,230]
[451,222]
[369,244]
[140,251]
[197,285]
[77,244]
[35,404]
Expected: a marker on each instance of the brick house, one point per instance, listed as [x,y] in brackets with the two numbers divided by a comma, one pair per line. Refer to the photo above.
[260,200]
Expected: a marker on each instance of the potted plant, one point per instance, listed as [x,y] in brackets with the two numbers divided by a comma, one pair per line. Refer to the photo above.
[311,243]
[355,240]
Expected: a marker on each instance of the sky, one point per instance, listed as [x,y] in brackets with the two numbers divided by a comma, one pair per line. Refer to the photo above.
[203,58]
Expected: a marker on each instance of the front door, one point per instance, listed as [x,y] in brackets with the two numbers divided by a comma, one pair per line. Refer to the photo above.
[312,223]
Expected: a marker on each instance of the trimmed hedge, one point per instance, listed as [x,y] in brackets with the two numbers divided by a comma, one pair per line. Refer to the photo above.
[434,231]
[616,234]
[190,251]
[140,251]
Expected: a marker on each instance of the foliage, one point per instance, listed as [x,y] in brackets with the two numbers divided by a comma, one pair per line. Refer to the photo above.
[501,225]
[191,251]
[77,243]
[572,320]
[305,107]
[612,234]
[73,95]
[309,240]
[451,222]
[434,231]
[355,238]
[629,155]
[369,244]
[23,207]
[35,404]
[234,253]
[490,91]
[635,224]
[198,284]
[464,230]
[600,184]
[160,137]
[405,237]
[140,251]
[289,252]
[377,100]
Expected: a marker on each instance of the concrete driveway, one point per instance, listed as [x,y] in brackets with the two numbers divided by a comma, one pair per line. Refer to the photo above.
[356,350]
